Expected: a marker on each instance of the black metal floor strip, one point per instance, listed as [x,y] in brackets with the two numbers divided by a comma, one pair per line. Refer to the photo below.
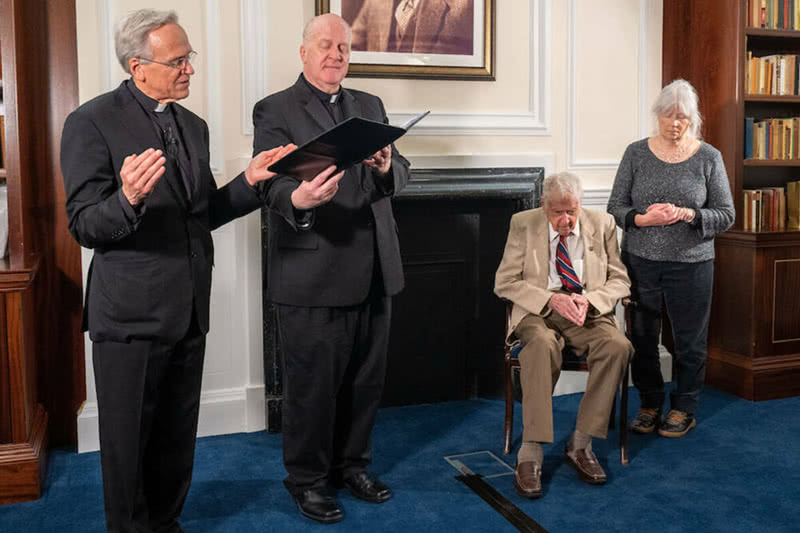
[500,503]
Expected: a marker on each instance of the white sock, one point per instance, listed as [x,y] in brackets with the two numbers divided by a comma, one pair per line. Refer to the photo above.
[530,451]
[580,441]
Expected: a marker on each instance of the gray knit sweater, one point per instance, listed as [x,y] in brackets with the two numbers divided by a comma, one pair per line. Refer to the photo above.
[700,182]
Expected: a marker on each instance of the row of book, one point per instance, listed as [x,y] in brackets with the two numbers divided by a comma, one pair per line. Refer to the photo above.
[772,208]
[772,138]
[773,75]
[773,14]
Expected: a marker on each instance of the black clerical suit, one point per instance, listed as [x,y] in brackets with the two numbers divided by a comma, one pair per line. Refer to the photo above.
[331,273]
[147,294]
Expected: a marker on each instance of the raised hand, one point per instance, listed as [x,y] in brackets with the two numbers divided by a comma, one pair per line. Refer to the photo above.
[257,169]
[317,191]
[381,160]
[140,173]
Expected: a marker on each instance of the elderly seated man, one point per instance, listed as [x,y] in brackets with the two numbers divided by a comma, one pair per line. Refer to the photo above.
[562,270]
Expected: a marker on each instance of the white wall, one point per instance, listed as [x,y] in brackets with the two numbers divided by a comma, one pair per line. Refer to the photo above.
[574,80]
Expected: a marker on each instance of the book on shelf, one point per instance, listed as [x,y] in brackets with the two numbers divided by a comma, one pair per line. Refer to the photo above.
[772,75]
[793,205]
[772,138]
[773,14]
[764,209]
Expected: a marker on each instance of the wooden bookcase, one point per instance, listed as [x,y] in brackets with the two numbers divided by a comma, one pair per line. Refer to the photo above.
[754,335]
[42,380]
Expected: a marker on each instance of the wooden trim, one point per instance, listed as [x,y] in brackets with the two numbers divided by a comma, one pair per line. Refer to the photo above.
[22,466]
[771,98]
[771,162]
[764,32]
[775,298]
[759,239]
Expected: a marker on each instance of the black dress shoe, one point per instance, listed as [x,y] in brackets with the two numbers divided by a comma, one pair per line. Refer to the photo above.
[319,505]
[367,487]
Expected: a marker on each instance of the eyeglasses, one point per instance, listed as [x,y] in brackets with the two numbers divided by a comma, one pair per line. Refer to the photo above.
[179,63]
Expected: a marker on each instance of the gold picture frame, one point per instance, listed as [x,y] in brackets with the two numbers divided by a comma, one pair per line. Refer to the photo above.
[461,48]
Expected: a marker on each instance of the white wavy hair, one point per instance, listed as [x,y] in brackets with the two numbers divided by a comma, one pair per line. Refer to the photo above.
[560,185]
[680,93]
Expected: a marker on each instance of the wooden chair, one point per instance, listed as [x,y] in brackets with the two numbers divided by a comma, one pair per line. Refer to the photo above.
[570,361]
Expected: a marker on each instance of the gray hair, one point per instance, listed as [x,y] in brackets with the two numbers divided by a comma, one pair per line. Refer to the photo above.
[560,185]
[680,93]
[132,32]
[311,27]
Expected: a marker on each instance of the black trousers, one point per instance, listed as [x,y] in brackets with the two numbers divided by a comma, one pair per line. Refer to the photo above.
[148,398]
[334,370]
[685,290]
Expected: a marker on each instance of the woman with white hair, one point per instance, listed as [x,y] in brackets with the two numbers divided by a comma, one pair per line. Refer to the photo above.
[671,197]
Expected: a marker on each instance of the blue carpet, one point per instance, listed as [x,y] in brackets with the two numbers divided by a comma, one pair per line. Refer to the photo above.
[737,471]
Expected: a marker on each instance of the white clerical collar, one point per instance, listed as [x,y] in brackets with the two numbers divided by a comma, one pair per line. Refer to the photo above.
[160,107]
[554,234]
[335,97]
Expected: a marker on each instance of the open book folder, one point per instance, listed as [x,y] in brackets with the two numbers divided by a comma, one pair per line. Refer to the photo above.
[344,145]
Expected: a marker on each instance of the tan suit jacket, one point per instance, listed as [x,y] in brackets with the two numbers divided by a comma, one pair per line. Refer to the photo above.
[523,272]
[442,27]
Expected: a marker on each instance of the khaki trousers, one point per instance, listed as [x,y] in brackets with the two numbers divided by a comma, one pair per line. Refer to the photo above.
[607,350]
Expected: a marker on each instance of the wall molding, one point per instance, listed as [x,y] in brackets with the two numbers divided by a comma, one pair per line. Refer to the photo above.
[644,30]
[574,162]
[255,58]
[214,97]
[106,17]
[535,121]
[545,160]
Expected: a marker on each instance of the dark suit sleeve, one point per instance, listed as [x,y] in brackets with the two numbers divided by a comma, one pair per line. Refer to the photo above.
[271,130]
[397,178]
[97,216]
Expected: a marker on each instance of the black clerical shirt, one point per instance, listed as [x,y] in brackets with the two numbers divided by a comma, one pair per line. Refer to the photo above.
[163,118]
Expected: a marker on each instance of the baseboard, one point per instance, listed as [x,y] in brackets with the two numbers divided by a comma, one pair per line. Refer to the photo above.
[23,465]
[571,382]
[222,411]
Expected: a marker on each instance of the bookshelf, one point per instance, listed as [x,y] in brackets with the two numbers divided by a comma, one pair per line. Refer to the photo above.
[754,333]
[42,382]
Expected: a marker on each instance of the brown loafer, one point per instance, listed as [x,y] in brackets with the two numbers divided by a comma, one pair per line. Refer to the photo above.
[585,462]
[528,479]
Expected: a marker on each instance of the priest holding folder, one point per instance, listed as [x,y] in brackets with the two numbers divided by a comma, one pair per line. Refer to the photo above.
[334,263]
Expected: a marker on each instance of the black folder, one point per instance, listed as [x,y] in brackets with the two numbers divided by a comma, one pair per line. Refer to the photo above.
[344,145]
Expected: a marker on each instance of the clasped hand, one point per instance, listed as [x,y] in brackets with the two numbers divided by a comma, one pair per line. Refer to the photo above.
[573,306]
[664,215]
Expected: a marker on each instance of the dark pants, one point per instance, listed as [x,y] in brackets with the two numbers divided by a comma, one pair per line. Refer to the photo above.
[148,399]
[685,290]
[334,369]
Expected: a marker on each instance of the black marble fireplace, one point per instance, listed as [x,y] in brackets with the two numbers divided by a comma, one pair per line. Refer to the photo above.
[447,324]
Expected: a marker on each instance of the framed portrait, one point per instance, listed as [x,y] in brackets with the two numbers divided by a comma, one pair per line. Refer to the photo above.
[431,39]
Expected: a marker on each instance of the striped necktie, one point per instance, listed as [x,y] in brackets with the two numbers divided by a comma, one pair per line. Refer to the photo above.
[569,279]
